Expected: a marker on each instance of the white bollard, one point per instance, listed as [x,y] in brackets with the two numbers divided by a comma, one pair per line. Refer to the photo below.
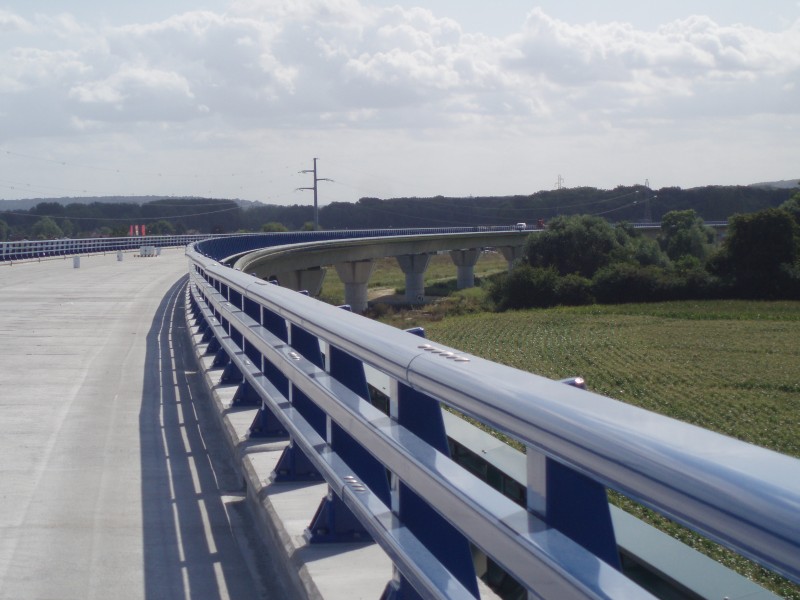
[76,262]
[119,255]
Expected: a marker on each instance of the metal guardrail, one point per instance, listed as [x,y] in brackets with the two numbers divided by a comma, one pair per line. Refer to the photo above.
[216,245]
[304,362]
[225,244]
[43,249]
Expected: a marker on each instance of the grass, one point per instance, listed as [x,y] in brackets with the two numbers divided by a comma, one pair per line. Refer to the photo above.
[729,366]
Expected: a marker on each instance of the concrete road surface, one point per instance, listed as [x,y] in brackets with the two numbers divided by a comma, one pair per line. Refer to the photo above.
[112,482]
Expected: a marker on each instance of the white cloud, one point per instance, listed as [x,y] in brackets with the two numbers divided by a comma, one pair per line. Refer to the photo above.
[313,66]
[9,23]
[134,83]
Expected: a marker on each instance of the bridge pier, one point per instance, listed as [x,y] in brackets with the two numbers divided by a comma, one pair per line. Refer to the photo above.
[465,260]
[355,276]
[512,253]
[414,267]
[303,279]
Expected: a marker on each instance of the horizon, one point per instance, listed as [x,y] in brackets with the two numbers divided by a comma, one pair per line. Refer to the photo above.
[777,184]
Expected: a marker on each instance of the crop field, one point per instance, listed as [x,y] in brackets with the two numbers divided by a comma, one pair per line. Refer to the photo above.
[729,366]
[733,367]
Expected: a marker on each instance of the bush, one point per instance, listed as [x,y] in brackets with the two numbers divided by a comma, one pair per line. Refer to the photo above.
[274,227]
[695,282]
[574,290]
[624,282]
[525,287]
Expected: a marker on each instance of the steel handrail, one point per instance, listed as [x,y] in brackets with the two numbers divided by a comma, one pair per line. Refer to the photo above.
[741,495]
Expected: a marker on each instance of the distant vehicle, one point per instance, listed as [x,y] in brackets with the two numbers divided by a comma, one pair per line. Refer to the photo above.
[540,224]
[521,226]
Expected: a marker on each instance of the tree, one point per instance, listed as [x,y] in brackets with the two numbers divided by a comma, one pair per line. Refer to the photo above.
[683,233]
[646,251]
[793,206]
[579,244]
[525,287]
[760,254]
[4,231]
[273,227]
[46,229]
[161,227]
[67,227]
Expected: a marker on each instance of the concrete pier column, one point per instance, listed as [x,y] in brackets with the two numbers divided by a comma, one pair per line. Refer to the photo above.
[512,253]
[465,261]
[303,279]
[355,276]
[414,266]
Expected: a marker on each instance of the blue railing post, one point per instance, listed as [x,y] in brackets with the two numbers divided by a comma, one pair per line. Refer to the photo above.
[334,521]
[578,507]
[245,396]
[422,415]
[293,465]
[265,424]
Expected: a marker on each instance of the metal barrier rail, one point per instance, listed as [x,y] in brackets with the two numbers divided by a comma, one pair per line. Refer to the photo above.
[304,361]
[225,244]
[215,245]
[39,249]
[232,246]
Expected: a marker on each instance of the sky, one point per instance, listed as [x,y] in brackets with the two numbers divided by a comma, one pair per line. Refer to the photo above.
[235,98]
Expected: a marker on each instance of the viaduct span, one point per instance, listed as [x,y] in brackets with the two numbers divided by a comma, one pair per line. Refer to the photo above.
[354,474]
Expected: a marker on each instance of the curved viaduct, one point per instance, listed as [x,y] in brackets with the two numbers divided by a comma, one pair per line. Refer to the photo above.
[322,465]
[301,266]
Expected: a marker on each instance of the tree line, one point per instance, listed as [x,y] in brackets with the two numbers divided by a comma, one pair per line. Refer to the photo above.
[51,219]
[583,259]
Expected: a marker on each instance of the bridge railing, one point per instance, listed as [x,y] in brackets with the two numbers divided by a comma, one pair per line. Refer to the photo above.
[391,479]
[216,244]
[20,250]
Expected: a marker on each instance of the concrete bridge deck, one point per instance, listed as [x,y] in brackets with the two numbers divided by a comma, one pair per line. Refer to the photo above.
[112,484]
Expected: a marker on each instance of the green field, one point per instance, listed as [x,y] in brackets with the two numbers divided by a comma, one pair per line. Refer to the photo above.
[733,367]
[729,366]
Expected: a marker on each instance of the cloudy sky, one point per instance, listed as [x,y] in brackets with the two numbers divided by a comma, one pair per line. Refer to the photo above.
[231,98]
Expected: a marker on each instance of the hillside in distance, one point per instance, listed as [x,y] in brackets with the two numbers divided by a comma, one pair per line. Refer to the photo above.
[624,203]
[29,203]
[784,184]
[81,217]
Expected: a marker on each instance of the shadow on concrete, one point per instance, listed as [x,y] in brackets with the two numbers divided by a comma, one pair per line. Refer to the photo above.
[192,501]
